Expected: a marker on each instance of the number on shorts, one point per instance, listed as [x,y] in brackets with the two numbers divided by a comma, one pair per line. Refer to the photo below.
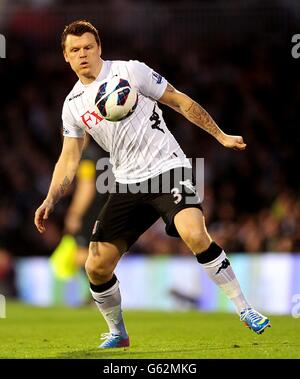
[176,194]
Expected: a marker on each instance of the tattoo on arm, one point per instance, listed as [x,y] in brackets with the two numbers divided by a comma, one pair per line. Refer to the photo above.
[192,111]
[66,182]
[196,114]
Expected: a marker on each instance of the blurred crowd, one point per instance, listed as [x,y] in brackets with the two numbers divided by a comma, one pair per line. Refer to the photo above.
[251,199]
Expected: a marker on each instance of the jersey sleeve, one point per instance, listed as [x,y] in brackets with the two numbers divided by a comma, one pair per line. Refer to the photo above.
[70,129]
[149,82]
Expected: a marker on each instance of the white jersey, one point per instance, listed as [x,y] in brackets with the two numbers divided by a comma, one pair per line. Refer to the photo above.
[140,146]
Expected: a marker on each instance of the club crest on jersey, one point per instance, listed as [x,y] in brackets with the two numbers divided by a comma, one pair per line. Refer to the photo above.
[157,77]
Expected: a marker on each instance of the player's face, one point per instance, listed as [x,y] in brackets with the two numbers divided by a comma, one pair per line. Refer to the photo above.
[83,54]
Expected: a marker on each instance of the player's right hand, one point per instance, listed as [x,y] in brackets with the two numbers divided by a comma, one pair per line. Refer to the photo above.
[42,214]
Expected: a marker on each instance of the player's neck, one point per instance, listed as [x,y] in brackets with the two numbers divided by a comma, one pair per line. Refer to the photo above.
[91,77]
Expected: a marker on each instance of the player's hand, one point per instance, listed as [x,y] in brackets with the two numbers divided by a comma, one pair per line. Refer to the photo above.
[42,214]
[233,142]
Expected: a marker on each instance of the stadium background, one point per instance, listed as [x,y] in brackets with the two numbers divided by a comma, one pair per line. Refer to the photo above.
[234,58]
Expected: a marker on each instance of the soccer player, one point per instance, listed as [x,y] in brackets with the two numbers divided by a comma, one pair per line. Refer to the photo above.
[142,150]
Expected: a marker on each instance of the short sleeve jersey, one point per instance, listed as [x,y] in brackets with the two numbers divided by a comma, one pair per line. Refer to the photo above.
[140,146]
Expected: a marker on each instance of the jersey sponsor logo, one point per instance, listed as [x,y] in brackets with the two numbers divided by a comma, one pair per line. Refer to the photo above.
[91,117]
[157,77]
[77,95]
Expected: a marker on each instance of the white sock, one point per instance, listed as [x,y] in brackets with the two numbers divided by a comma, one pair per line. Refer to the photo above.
[109,304]
[220,271]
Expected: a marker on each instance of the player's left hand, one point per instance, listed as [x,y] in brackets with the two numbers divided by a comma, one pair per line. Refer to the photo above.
[234,142]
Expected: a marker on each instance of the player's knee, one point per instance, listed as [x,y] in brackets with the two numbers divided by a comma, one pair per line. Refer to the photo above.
[98,265]
[97,270]
[197,239]
[192,236]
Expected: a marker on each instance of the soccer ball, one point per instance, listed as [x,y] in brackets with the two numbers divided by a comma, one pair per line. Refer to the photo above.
[116,99]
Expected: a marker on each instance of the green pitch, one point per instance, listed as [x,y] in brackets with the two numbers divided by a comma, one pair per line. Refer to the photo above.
[57,332]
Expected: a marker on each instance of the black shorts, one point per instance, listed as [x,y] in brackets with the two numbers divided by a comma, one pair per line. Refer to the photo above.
[132,208]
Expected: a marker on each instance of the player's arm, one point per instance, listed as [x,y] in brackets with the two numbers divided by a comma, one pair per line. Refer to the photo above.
[191,110]
[83,196]
[64,172]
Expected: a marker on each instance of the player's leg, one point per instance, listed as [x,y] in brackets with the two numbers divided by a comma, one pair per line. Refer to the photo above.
[104,286]
[102,260]
[120,222]
[182,212]
[191,227]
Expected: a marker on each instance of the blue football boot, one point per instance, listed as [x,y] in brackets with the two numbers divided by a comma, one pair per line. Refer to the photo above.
[254,320]
[112,341]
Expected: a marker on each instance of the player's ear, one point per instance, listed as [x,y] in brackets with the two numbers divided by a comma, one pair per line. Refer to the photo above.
[66,57]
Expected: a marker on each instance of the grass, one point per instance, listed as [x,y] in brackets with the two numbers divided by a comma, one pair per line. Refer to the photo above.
[59,332]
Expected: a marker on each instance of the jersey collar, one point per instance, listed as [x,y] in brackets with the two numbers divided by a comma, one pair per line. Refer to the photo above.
[102,74]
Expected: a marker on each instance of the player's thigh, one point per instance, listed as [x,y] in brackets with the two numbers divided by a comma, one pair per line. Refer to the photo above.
[144,217]
[180,195]
[124,217]
[116,220]
[191,222]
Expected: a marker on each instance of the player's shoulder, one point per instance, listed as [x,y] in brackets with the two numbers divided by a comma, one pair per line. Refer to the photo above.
[131,65]
[135,64]
[75,92]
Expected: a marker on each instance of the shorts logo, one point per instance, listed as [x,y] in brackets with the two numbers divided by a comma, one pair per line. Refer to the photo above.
[95,228]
